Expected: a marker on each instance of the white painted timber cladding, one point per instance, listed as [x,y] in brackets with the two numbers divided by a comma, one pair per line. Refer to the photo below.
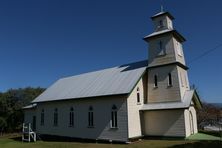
[163,93]
[164,123]
[134,123]
[168,45]
[190,123]
[184,81]
[28,115]
[102,116]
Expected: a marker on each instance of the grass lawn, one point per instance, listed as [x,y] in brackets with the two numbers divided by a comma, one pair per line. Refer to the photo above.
[14,142]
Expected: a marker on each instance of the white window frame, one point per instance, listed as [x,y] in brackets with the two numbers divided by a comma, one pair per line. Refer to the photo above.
[114,118]
[71,117]
[179,49]
[170,80]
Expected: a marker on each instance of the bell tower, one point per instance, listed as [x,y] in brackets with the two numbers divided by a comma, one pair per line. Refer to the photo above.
[167,71]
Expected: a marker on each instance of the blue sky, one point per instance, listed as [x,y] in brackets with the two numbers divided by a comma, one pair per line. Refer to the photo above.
[44,40]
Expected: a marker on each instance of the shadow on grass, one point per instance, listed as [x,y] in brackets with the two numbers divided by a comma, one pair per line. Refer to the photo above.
[17,138]
[50,138]
[200,144]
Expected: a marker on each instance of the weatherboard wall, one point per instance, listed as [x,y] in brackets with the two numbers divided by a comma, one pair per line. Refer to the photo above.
[28,115]
[165,123]
[155,56]
[163,92]
[102,107]
[133,107]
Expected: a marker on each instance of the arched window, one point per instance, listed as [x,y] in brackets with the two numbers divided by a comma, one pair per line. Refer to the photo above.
[170,79]
[138,95]
[90,117]
[71,117]
[114,117]
[42,117]
[155,81]
[55,117]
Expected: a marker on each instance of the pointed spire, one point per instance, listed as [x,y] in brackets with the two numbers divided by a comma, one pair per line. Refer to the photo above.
[161,8]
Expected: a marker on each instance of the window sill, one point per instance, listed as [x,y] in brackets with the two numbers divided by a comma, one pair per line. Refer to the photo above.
[155,87]
[180,55]
[161,55]
[114,128]
[90,127]
[169,86]
[71,126]
[138,103]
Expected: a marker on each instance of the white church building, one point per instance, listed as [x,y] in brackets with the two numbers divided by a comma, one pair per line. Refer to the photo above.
[145,98]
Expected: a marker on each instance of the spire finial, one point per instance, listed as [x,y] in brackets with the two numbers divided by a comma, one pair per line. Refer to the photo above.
[161,8]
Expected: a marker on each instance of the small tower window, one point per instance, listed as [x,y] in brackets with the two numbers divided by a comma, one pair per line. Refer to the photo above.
[160,45]
[56,117]
[161,48]
[181,79]
[42,117]
[179,49]
[169,79]
[90,117]
[71,117]
[138,95]
[114,117]
[155,81]
[160,23]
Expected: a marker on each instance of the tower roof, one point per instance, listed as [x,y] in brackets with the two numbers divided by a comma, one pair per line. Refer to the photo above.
[161,14]
[166,31]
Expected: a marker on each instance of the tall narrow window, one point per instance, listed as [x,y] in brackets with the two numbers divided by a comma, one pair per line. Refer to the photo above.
[114,117]
[71,117]
[138,95]
[160,23]
[179,49]
[56,117]
[155,81]
[186,80]
[42,117]
[181,79]
[90,117]
[161,48]
[160,45]
[170,79]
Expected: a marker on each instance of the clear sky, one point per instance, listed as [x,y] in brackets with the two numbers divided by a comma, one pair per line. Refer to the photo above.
[44,40]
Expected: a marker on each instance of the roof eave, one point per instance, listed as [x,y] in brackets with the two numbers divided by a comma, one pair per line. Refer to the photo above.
[164,13]
[174,32]
[67,99]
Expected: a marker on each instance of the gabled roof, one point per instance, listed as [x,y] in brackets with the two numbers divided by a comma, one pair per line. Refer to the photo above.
[113,81]
[185,103]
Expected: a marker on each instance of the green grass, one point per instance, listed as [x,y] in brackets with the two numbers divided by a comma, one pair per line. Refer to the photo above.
[203,136]
[14,142]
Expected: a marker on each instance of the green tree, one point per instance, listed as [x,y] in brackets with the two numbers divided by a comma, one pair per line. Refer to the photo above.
[3,124]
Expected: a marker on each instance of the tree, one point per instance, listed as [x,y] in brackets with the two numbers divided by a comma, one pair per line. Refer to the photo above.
[3,124]
[11,103]
[208,115]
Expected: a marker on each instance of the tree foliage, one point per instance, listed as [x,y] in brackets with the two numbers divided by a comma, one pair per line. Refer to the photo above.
[11,103]
[208,115]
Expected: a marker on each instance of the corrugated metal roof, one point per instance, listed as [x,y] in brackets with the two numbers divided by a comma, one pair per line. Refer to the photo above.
[185,103]
[112,81]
